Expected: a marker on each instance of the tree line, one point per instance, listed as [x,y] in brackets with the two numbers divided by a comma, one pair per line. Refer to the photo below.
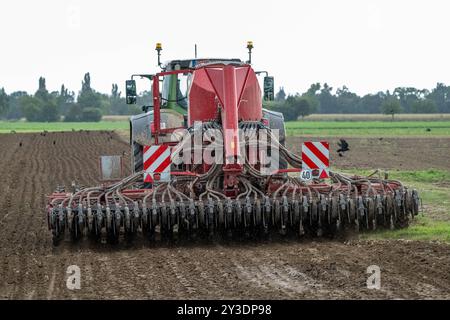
[90,105]
[64,105]
[319,98]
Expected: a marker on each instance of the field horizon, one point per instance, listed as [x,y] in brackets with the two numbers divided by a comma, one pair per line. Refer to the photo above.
[326,125]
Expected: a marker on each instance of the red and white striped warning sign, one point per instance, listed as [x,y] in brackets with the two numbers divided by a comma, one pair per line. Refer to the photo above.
[157,163]
[316,156]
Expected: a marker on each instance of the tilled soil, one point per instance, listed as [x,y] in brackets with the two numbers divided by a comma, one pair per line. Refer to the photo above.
[385,153]
[32,165]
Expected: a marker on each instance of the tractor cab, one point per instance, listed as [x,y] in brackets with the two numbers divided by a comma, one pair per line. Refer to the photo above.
[175,87]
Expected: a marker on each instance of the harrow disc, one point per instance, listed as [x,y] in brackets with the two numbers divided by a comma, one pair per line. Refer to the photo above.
[302,215]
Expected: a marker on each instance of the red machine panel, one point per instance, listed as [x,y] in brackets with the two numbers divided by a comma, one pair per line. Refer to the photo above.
[210,82]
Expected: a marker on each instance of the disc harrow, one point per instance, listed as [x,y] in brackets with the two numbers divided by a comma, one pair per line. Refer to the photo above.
[193,203]
[286,206]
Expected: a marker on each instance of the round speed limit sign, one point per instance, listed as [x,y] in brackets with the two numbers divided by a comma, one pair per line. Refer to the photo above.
[306,175]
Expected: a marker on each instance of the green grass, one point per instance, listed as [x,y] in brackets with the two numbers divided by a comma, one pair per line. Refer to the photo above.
[422,228]
[434,189]
[368,128]
[295,128]
[429,176]
[379,117]
[423,176]
[20,126]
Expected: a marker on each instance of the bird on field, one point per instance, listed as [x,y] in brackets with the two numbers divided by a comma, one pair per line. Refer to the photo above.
[428,130]
[20,144]
[54,142]
[343,147]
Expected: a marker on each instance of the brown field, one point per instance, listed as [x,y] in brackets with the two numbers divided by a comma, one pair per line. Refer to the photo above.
[385,153]
[31,268]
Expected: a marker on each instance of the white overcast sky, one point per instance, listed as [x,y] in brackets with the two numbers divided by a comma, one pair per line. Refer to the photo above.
[366,45]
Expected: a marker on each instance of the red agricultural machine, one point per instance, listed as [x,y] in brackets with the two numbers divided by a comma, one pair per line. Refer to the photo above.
[210,160]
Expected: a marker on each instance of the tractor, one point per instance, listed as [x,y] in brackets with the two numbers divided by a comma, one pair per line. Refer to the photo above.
[208,159]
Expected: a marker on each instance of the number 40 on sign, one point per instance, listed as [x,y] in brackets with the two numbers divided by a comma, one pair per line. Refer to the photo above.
[315,160]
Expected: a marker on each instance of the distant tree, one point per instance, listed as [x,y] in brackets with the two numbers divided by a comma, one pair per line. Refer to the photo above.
[288,108]
[303,106]
[272,105]
[15,109]
[91,115]
[40,107]
[391,106]
[49,111]
[105,103]
[407,97]
[86,83]
[424,106]
[327,100]
[281,95]
[31,108]
[318,98]
[87,97]
[314,89]
[42,92]
[293,107]
[65,99]
[48,106]
[279,106]
[311,107]
[117,104]
[36,110]
[311,96]
[346,101]
[73,113]
[441,97]
[4,103]
[115,93]
[370,103]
